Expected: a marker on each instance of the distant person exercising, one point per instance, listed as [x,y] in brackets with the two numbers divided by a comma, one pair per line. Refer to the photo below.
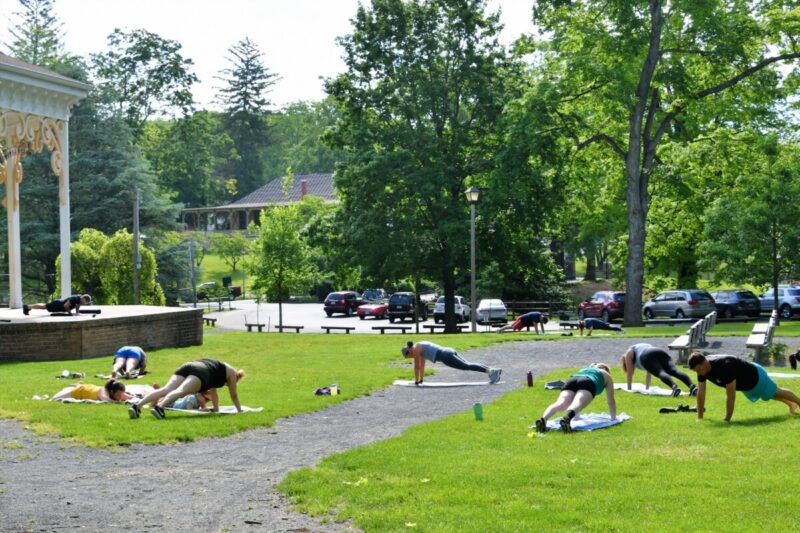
[64,305]
[534,318]
[129,361]
[654,361]
[428,351]
[577,393]
[591,324]
[734,374]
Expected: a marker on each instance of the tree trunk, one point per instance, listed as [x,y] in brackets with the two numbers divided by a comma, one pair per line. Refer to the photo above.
[591,265]
[449,301]
[280,315]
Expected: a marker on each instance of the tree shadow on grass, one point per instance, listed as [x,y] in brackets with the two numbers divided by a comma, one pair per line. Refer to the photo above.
[753,422]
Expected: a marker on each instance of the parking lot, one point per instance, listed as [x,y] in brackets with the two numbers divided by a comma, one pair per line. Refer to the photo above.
[311,317]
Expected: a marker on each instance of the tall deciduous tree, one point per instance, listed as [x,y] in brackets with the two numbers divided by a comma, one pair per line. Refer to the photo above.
[231,247]
[244,97]
[144,76]
[635,74]
[420,102]
[280,257]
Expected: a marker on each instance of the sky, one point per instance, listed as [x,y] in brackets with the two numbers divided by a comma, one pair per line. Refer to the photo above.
[297,37]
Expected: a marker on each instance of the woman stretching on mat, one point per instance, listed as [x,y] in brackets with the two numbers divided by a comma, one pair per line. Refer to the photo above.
[577,393]
[127,360]
[203,375]
[112,391]
[654,361]
[428,351]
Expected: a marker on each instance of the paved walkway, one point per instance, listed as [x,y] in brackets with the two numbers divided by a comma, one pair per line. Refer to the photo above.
[227,484]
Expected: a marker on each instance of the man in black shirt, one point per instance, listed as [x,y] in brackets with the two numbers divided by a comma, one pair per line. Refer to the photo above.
[63,305]
[735,374]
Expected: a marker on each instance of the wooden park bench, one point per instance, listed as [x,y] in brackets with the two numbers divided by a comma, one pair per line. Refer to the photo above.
[210,321]
[295,328]
[251,326]
[694,336]
[435,327]
[346,329]
[761,335]
[402,329]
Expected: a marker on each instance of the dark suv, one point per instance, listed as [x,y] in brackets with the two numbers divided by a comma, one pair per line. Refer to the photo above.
[604,304]
[731,302]
[401,305]
[345,302]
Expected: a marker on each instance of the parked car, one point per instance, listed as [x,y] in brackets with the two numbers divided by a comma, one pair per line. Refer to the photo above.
[788,301]
[491,310]
[732,302]
[607,305]
[345,302]
[461,309]
[374,295]
[376,309]
[680,303]
[401,306]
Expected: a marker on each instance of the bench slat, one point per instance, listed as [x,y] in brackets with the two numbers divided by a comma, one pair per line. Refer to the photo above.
[681,343]
[756,340]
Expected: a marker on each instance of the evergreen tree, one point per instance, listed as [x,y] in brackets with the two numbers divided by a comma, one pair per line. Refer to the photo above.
[37,35]
[243,96]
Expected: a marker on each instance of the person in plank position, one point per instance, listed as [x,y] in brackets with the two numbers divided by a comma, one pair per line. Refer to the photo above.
[591,324]
[427,351]
[63,305]
[654,361]
[534,318]
[577,393]
[733,373]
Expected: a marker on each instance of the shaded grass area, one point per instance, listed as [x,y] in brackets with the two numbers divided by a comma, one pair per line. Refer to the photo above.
[283,371]
[656,472]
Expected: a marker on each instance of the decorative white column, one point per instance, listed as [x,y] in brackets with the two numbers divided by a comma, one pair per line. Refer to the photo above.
[12,211]
[63,212]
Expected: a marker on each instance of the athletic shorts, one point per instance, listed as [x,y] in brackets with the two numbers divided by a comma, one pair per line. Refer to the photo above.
[765,389]
[56,306]
[127,354]
[579,383]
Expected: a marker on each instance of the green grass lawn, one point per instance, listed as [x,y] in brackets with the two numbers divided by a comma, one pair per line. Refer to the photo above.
[282,373]
[213,268]
[656,472]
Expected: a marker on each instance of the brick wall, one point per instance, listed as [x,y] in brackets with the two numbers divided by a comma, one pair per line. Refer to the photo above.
[55,340]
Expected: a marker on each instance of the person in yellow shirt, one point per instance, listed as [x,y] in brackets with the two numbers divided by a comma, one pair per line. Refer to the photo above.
[112,391]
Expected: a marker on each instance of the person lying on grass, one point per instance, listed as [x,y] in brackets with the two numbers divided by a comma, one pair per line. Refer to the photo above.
[577,393]
[654,361]
[203,375]
[193,401]
[591,324]
[733,373]
[112,391]
[127,360]
[428,351]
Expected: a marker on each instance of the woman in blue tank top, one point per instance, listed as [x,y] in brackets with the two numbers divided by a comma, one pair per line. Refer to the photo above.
[577,393]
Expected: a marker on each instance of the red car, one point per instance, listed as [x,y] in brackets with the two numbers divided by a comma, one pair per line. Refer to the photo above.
[345,302]
[378,310]
[607,305]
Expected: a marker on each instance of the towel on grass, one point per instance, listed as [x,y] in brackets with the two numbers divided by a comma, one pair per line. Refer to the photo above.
[554,385]
[782,375]
[223,410]
[135,375]
[589,422]
[440,384]
[639,387]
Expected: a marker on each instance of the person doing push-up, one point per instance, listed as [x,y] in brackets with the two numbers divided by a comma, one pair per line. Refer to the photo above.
[577,393]
[654,361]
[591,324]
[427,351]
[534,318]
[734,374]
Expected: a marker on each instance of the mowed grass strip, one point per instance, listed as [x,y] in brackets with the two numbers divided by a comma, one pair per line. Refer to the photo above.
[283,371]
[656,472]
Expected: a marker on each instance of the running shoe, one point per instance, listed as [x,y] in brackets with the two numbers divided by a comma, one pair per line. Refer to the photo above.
[541,426]
[676,392]
[25,309]
[792,359]
[134,411]
[565,426]
[494,375]
[693,390]
[158,412]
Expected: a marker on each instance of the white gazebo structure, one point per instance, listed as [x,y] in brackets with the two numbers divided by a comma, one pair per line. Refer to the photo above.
[35,106]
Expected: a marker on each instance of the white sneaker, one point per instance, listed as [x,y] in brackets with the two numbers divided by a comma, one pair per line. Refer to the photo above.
[494,375]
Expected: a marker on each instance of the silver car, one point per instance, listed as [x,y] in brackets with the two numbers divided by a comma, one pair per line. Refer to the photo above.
[680,303]
[491,310]
[461,309]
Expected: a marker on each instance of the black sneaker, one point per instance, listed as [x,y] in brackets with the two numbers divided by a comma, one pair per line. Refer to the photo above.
[134,411]
[693,390]
[25,309]
[541,426]
[676,392]
[668,410]
[565,426]
[792,359]
[158,412]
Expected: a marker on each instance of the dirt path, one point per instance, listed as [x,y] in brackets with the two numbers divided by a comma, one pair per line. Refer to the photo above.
[227,484]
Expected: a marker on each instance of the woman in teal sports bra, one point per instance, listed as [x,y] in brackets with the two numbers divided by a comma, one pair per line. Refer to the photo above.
[577,393]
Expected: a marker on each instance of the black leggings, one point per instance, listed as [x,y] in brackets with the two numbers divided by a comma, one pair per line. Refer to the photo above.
[453,360]
[659,363]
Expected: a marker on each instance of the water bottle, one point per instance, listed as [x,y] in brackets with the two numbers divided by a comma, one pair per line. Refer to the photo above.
[477,408]
[530,378]
[334,389]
